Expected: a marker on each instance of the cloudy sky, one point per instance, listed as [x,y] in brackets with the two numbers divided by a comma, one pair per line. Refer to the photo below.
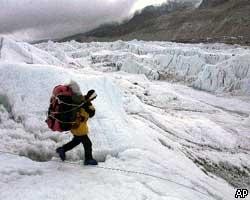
[142,3]
[48,19]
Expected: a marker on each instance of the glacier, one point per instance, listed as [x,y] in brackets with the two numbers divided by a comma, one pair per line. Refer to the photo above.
[179,112]
[214,68]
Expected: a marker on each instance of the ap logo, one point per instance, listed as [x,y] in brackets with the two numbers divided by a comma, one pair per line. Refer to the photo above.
[241,193]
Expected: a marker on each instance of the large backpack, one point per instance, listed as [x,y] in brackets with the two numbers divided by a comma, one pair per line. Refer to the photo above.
[64,105]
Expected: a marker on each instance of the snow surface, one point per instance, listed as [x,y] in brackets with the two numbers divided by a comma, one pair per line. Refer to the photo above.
[197,139]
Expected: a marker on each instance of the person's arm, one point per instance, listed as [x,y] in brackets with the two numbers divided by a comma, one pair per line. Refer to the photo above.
[89,108]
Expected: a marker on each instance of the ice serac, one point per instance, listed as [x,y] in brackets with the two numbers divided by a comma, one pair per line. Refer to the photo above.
[21,52]
[28,89]
[213,68]
[230,75]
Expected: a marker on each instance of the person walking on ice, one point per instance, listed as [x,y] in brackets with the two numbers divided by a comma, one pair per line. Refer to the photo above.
[80,128]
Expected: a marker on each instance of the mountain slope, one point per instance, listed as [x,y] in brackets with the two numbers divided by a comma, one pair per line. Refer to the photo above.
[214,21]
[137,22]
[211,3]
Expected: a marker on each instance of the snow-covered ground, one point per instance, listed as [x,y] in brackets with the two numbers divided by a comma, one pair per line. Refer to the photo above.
[194,144]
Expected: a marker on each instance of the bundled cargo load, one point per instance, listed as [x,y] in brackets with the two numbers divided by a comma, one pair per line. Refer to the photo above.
[64,105]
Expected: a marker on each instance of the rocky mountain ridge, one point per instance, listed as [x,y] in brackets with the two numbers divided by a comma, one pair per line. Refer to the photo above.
[225,21]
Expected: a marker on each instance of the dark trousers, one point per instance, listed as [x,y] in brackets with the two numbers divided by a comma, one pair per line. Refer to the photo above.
[76,141]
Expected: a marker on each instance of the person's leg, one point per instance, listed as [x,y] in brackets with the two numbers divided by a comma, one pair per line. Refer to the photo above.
[70,145]
[87,144]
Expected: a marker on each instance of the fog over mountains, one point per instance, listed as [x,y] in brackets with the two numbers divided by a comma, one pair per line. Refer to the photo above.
[40,20]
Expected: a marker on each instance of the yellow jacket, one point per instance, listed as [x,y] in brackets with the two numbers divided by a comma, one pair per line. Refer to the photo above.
[81,126]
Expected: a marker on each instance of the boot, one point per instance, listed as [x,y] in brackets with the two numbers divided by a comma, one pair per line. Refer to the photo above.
[90,162]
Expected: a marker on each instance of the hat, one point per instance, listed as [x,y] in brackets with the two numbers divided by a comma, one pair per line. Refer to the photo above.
[91,95]
[75,87]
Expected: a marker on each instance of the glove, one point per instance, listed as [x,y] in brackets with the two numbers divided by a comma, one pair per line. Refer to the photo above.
[91,95]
